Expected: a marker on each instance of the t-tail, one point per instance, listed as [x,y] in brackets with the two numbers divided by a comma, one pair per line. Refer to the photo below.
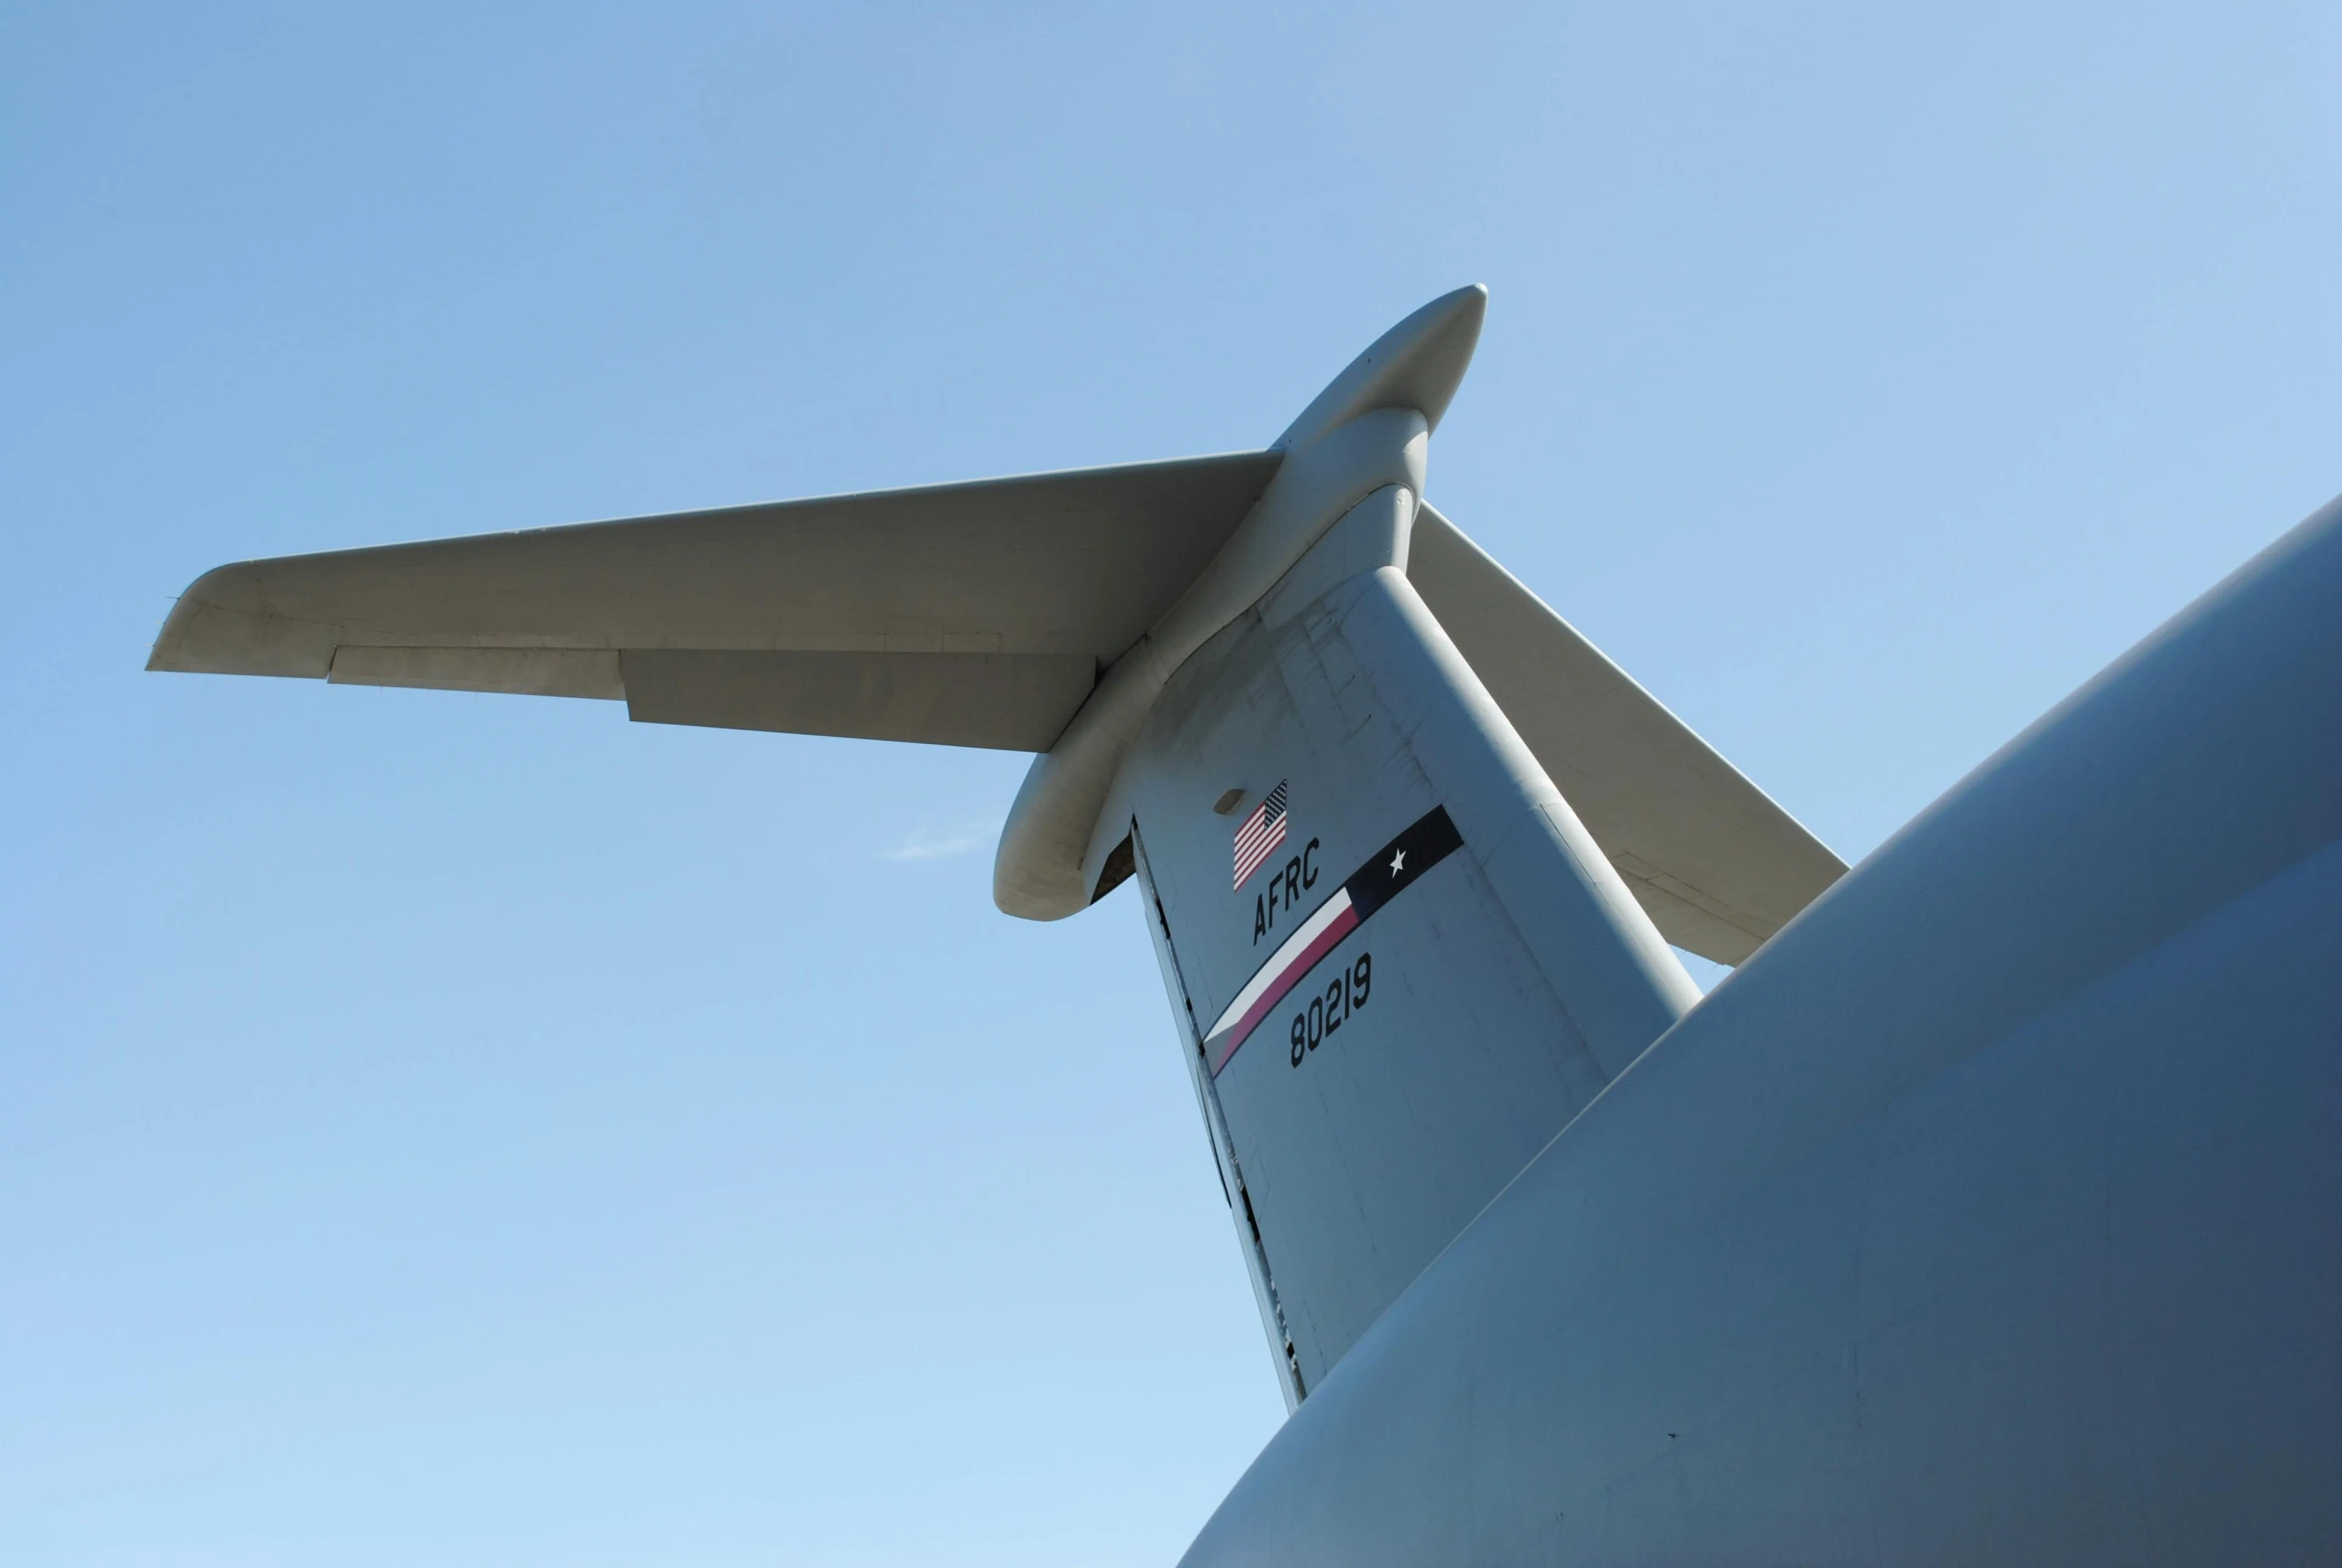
[1411,850]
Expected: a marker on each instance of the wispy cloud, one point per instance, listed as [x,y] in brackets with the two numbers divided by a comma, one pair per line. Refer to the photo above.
[939,843]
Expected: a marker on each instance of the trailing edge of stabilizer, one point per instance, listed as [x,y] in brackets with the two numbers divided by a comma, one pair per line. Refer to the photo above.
[1367,429]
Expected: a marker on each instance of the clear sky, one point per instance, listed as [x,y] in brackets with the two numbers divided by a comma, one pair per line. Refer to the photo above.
[463,1130]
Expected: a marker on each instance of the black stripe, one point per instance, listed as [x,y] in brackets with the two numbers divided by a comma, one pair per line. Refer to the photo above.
[1430,840]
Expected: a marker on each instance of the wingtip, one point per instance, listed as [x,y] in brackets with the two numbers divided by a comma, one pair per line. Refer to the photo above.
[220,627]
[169,651]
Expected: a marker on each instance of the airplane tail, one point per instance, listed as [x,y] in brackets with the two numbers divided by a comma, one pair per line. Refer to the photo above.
[1411,850]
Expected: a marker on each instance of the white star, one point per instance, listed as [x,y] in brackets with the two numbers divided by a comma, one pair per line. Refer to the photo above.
[1397,861]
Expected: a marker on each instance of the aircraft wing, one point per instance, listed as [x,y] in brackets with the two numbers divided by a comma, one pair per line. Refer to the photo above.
[1714,863]
[965,615]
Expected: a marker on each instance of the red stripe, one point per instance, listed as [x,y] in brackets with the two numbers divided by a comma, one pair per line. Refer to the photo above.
[1251,853]
[1342,926]
[1248,860]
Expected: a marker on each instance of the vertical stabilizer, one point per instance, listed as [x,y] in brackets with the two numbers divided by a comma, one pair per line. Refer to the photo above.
[1400,962]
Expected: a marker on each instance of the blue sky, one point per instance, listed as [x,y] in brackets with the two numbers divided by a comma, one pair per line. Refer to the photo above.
[467,1129]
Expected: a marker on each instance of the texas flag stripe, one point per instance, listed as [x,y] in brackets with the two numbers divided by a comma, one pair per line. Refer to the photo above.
[1331,921]
[1429,839]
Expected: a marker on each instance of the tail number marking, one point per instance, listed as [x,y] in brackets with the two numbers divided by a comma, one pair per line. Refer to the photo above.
[1345,992]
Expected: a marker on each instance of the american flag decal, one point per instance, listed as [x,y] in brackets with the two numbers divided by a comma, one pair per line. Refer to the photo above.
[1261,833]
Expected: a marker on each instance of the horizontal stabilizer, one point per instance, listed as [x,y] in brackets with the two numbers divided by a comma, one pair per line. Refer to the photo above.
[965,615]
[1714,863]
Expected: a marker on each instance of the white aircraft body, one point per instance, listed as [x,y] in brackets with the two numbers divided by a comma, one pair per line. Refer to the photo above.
[1985,1213]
